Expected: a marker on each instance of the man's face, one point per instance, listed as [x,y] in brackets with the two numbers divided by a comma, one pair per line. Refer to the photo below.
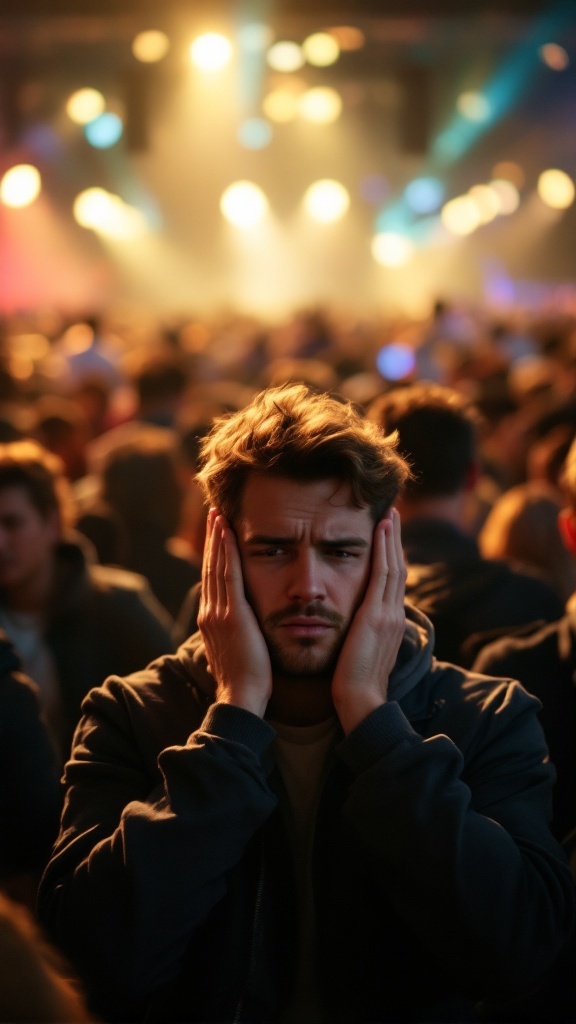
[27,539]
[306,554]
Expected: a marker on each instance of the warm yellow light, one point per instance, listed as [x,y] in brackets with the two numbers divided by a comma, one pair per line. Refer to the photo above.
[281,106]
[554,56]
[321,49]
[348,37]
[556,189]
[20,186]
[108,214]
[84,105]
[508,195]
[510,171]
[392,250]
[285,56]
[211,52]
[461,216]
[243,204]
[326,201]
[150,46]
[487,201]
[90,207]
[474,106]
[322,105]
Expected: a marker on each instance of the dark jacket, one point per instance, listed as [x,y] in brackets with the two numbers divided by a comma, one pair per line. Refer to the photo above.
[29,774]
[545,664]
[469,599]
[437,882]
[101,620]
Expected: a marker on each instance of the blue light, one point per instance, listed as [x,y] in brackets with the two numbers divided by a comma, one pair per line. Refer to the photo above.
[104,131]
[425,195]
[395,362]
[255,133]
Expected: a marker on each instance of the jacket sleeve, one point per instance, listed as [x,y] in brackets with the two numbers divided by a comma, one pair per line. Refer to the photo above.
[463,842]
[145,866]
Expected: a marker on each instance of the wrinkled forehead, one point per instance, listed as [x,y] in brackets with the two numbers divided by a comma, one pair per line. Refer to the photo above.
[277,506]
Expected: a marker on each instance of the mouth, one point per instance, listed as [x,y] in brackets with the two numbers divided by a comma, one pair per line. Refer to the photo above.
[305,627]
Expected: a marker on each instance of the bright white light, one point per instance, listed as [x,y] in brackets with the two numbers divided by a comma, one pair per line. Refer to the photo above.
[108,214]
[392,250]
[326,201]
[211,52]
[321,106]
[508,195]
[474,106]
[91,206]
[281,106]
[20,186]
[285,56]
[461,216]
[321,49]
[150,46]
[556,189]
[84,105]
[487,201]
[243,204]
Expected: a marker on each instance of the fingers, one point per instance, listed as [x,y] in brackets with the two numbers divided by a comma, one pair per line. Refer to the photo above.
[222,582]
[388,576]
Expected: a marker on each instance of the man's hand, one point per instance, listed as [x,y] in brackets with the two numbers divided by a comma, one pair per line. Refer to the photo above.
[360,682]
[235,647]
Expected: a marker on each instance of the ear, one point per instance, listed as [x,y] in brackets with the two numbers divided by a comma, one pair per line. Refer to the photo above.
[567,527]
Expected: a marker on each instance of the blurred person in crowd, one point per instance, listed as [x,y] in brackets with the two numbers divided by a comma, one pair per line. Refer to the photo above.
[72,622]
[143,482]
[522,529]
[36,985]
[468,597]
[30,799]
[60,425]
[88,351]
[302,816]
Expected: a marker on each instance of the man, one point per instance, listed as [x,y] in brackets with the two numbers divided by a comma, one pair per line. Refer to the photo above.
[300,816]
[72,623]
[470,599]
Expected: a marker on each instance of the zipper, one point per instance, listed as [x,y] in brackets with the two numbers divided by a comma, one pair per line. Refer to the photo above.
[254,944]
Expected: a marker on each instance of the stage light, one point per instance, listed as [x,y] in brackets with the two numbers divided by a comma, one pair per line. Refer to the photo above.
[211,52]
[461,215]
[84,105]
[395,361]
[91,207]
[392,250]
[104,131]
[326,201]
[281,105]
[285,56]
[108,215]
[556,189]
[20,186]
[322,105]
[255,37]
[321,49]
[348,37]
[150,46]
[424,195]
[474,106]
[508,195]
[554,56]
[255,133]
[243,204]
[509,171]
[487,202]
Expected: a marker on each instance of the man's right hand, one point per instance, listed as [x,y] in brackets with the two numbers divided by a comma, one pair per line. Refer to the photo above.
[235,647]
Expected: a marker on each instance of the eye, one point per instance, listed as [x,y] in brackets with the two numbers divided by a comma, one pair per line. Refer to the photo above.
[341,554]
[269,552]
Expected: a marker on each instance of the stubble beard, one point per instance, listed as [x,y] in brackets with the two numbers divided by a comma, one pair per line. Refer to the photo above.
[304,657]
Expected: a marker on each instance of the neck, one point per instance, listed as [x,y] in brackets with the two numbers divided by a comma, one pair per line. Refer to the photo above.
[301,700]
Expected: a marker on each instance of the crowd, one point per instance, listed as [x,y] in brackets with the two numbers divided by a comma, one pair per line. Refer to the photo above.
[113,439]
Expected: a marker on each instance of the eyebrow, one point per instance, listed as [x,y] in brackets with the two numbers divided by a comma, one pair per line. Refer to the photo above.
[340,542]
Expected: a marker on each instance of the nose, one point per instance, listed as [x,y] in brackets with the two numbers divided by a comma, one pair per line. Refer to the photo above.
[306,581]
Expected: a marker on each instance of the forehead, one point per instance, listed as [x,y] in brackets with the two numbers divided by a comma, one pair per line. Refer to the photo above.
[279,506]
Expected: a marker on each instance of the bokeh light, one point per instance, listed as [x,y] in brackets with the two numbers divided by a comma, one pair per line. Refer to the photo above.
[285,56]
[425,195]
[281,105]
[510,171]
[395,361]
[348,37]
[554,56]
[474,106]
[508,195]
[151,46]
[243,204]
[20,186]
[487,202]
[556,189]
[326,201]
[211,51]
[321,105]
[321,49]
[391,249]
[104,131]
[84,105]
[255,133]
[461,216]
[109,215]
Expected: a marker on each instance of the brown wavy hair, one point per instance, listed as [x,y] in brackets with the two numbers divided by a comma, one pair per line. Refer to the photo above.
[298,432]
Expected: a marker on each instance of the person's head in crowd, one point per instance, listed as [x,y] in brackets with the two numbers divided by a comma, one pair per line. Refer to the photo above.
[60,425]
[93,394]
[36,985]
[437,432]
[522,528]
[547,455]
[287,370]
[160,379]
